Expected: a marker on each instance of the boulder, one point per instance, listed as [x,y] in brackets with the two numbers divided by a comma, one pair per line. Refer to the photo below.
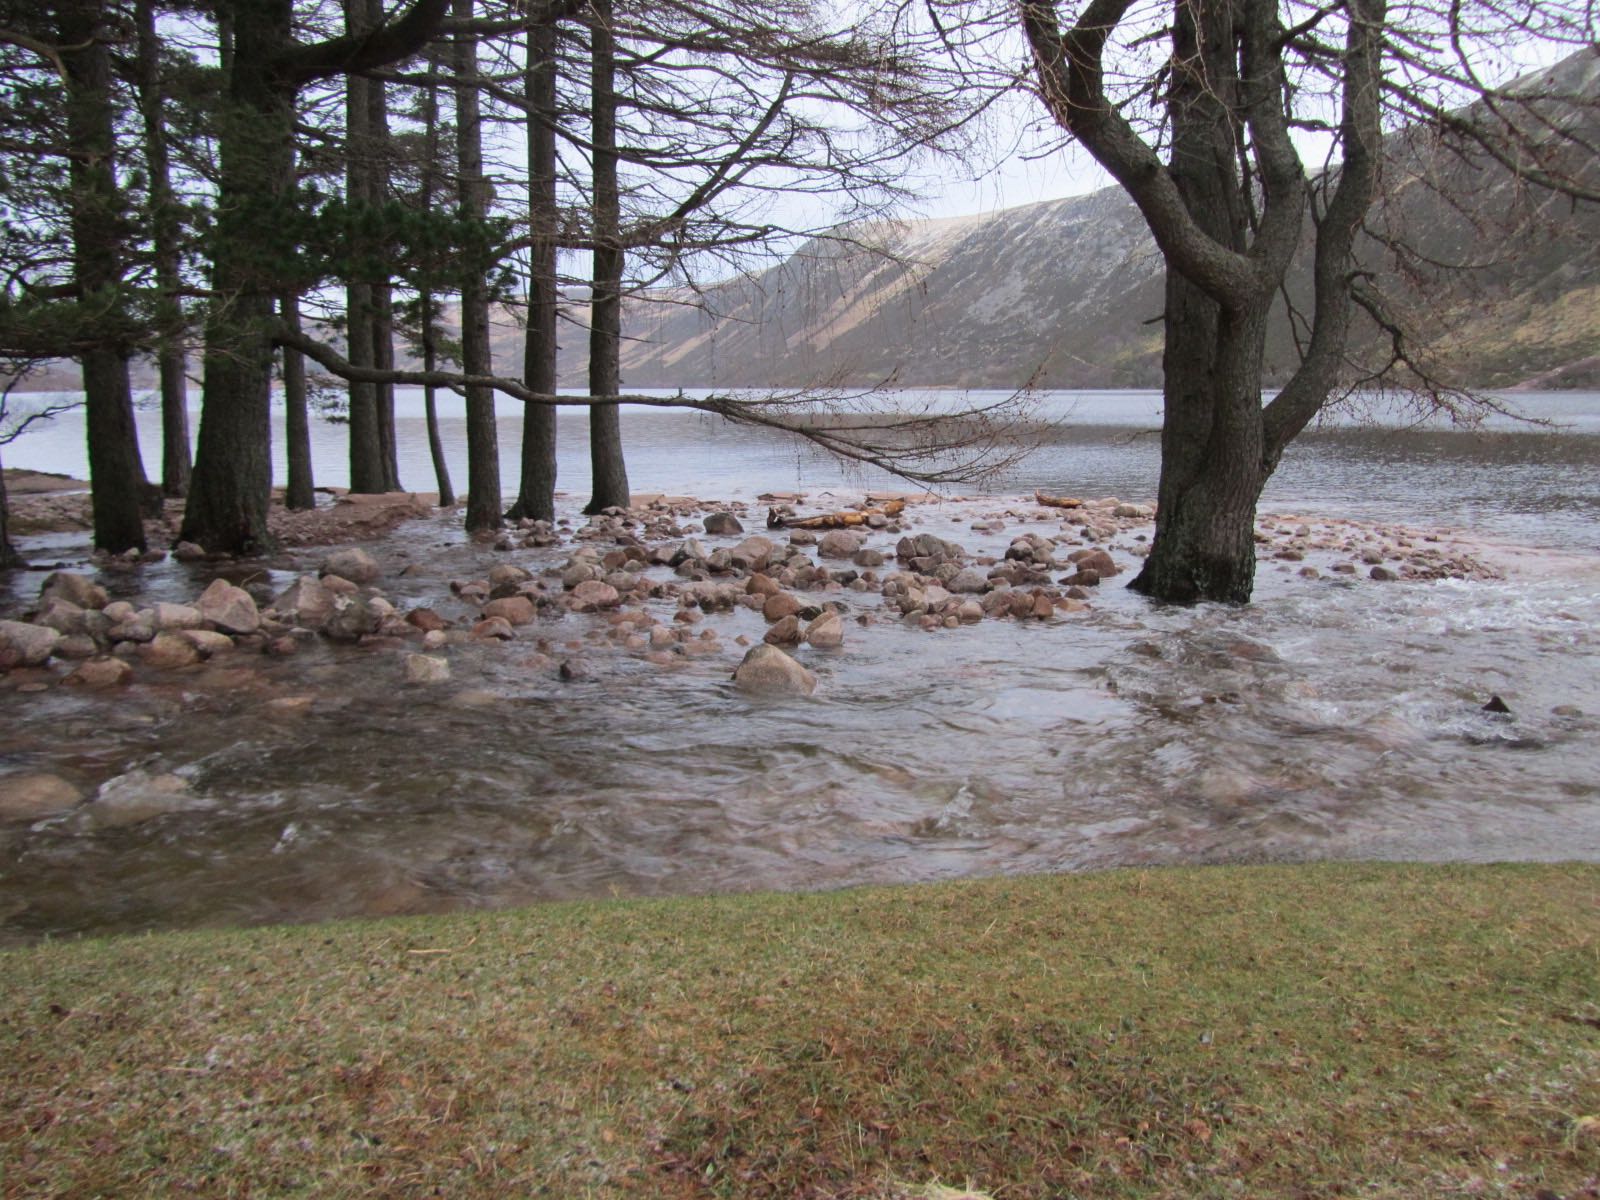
[493,628]
[189,552]
[839,543]
[101,673]
[173,617]
[63,616]
[1098,561]
[30,796]
[753,553]
[351,620]
[73,588]
[426,620]
[169,651]
[766,670]
[229,608]
[518,610]
[785,632]
[780,605]
[77,646]
[593,595]
[826,632]
[29,645]
[307,601]
[506,578]
[354,564]
[968,581]
[425,668]
[208,641]
[138,796]
[723,523]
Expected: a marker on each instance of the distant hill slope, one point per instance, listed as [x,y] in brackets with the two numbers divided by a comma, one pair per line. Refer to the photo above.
[1069,293]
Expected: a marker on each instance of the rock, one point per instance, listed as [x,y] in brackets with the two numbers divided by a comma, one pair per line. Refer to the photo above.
[574,669]
[207,641]
[307,601]
[493,627]
[753,553]
[924,551]
[118,611]
[762,585]
[34,795]
[173,617]
[189,552]
[1497,705]
[1098,561]
[506,578]
[839,543]
[518,610]
[766,670]
[289,706]
[101,673]
[351,620]
[77,646]
[30,645]
[73,588]
[826,632]
[592,595]
[281,647]
[169,651]
[63,616]
[425,668]
[435,639]
[138,796]
[141,627]
[229,608]
[866,559]
[338,585]
[1383,574]
[354,564]
[426,620]
[968,581]
[970,612]
[722,523]
[780,605]
[785,632]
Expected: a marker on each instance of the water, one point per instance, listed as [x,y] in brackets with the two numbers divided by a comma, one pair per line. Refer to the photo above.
[1330,719]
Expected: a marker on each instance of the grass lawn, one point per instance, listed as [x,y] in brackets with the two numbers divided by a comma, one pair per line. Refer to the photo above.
[1396,1031]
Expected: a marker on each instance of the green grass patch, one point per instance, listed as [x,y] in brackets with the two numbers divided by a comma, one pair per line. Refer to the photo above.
[1286,1032]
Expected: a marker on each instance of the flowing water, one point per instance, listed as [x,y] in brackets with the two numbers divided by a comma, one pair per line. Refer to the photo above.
[1332,718]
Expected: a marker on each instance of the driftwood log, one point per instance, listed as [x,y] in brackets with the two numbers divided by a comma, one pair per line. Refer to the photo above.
[1057,501]
[844,519]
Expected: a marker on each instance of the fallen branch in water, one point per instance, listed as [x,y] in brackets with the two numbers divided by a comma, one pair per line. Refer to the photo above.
[844,519]
[1057,501]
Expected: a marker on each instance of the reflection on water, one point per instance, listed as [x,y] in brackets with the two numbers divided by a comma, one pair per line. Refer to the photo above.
[1328,719]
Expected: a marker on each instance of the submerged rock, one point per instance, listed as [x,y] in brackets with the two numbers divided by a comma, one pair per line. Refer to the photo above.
[353,564]
[425,668]
[34,795]
[73,588]
[767,670]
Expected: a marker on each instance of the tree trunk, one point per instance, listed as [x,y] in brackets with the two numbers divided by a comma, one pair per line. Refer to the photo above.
[366,446]
[231,488]
[1211,469]
[427,307]
[382,293]
[171,363]
[116,472]
[301,493]
[8,553]
[430,361]
[483,449]
[607,466]
[538,485]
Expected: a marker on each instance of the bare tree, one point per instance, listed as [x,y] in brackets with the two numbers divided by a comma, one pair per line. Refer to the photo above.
[1203,139]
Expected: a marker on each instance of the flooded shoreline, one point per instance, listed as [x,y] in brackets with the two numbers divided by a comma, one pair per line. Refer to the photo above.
[1336,717]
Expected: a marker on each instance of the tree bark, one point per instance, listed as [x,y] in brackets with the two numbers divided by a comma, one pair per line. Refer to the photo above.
[382,292]
[8,553]
[427,307]
[116,471]
[230,490]
[608,468]
[483,448]
[538,482]
[171,362]
[232,482]
[366,447]
[301,492]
